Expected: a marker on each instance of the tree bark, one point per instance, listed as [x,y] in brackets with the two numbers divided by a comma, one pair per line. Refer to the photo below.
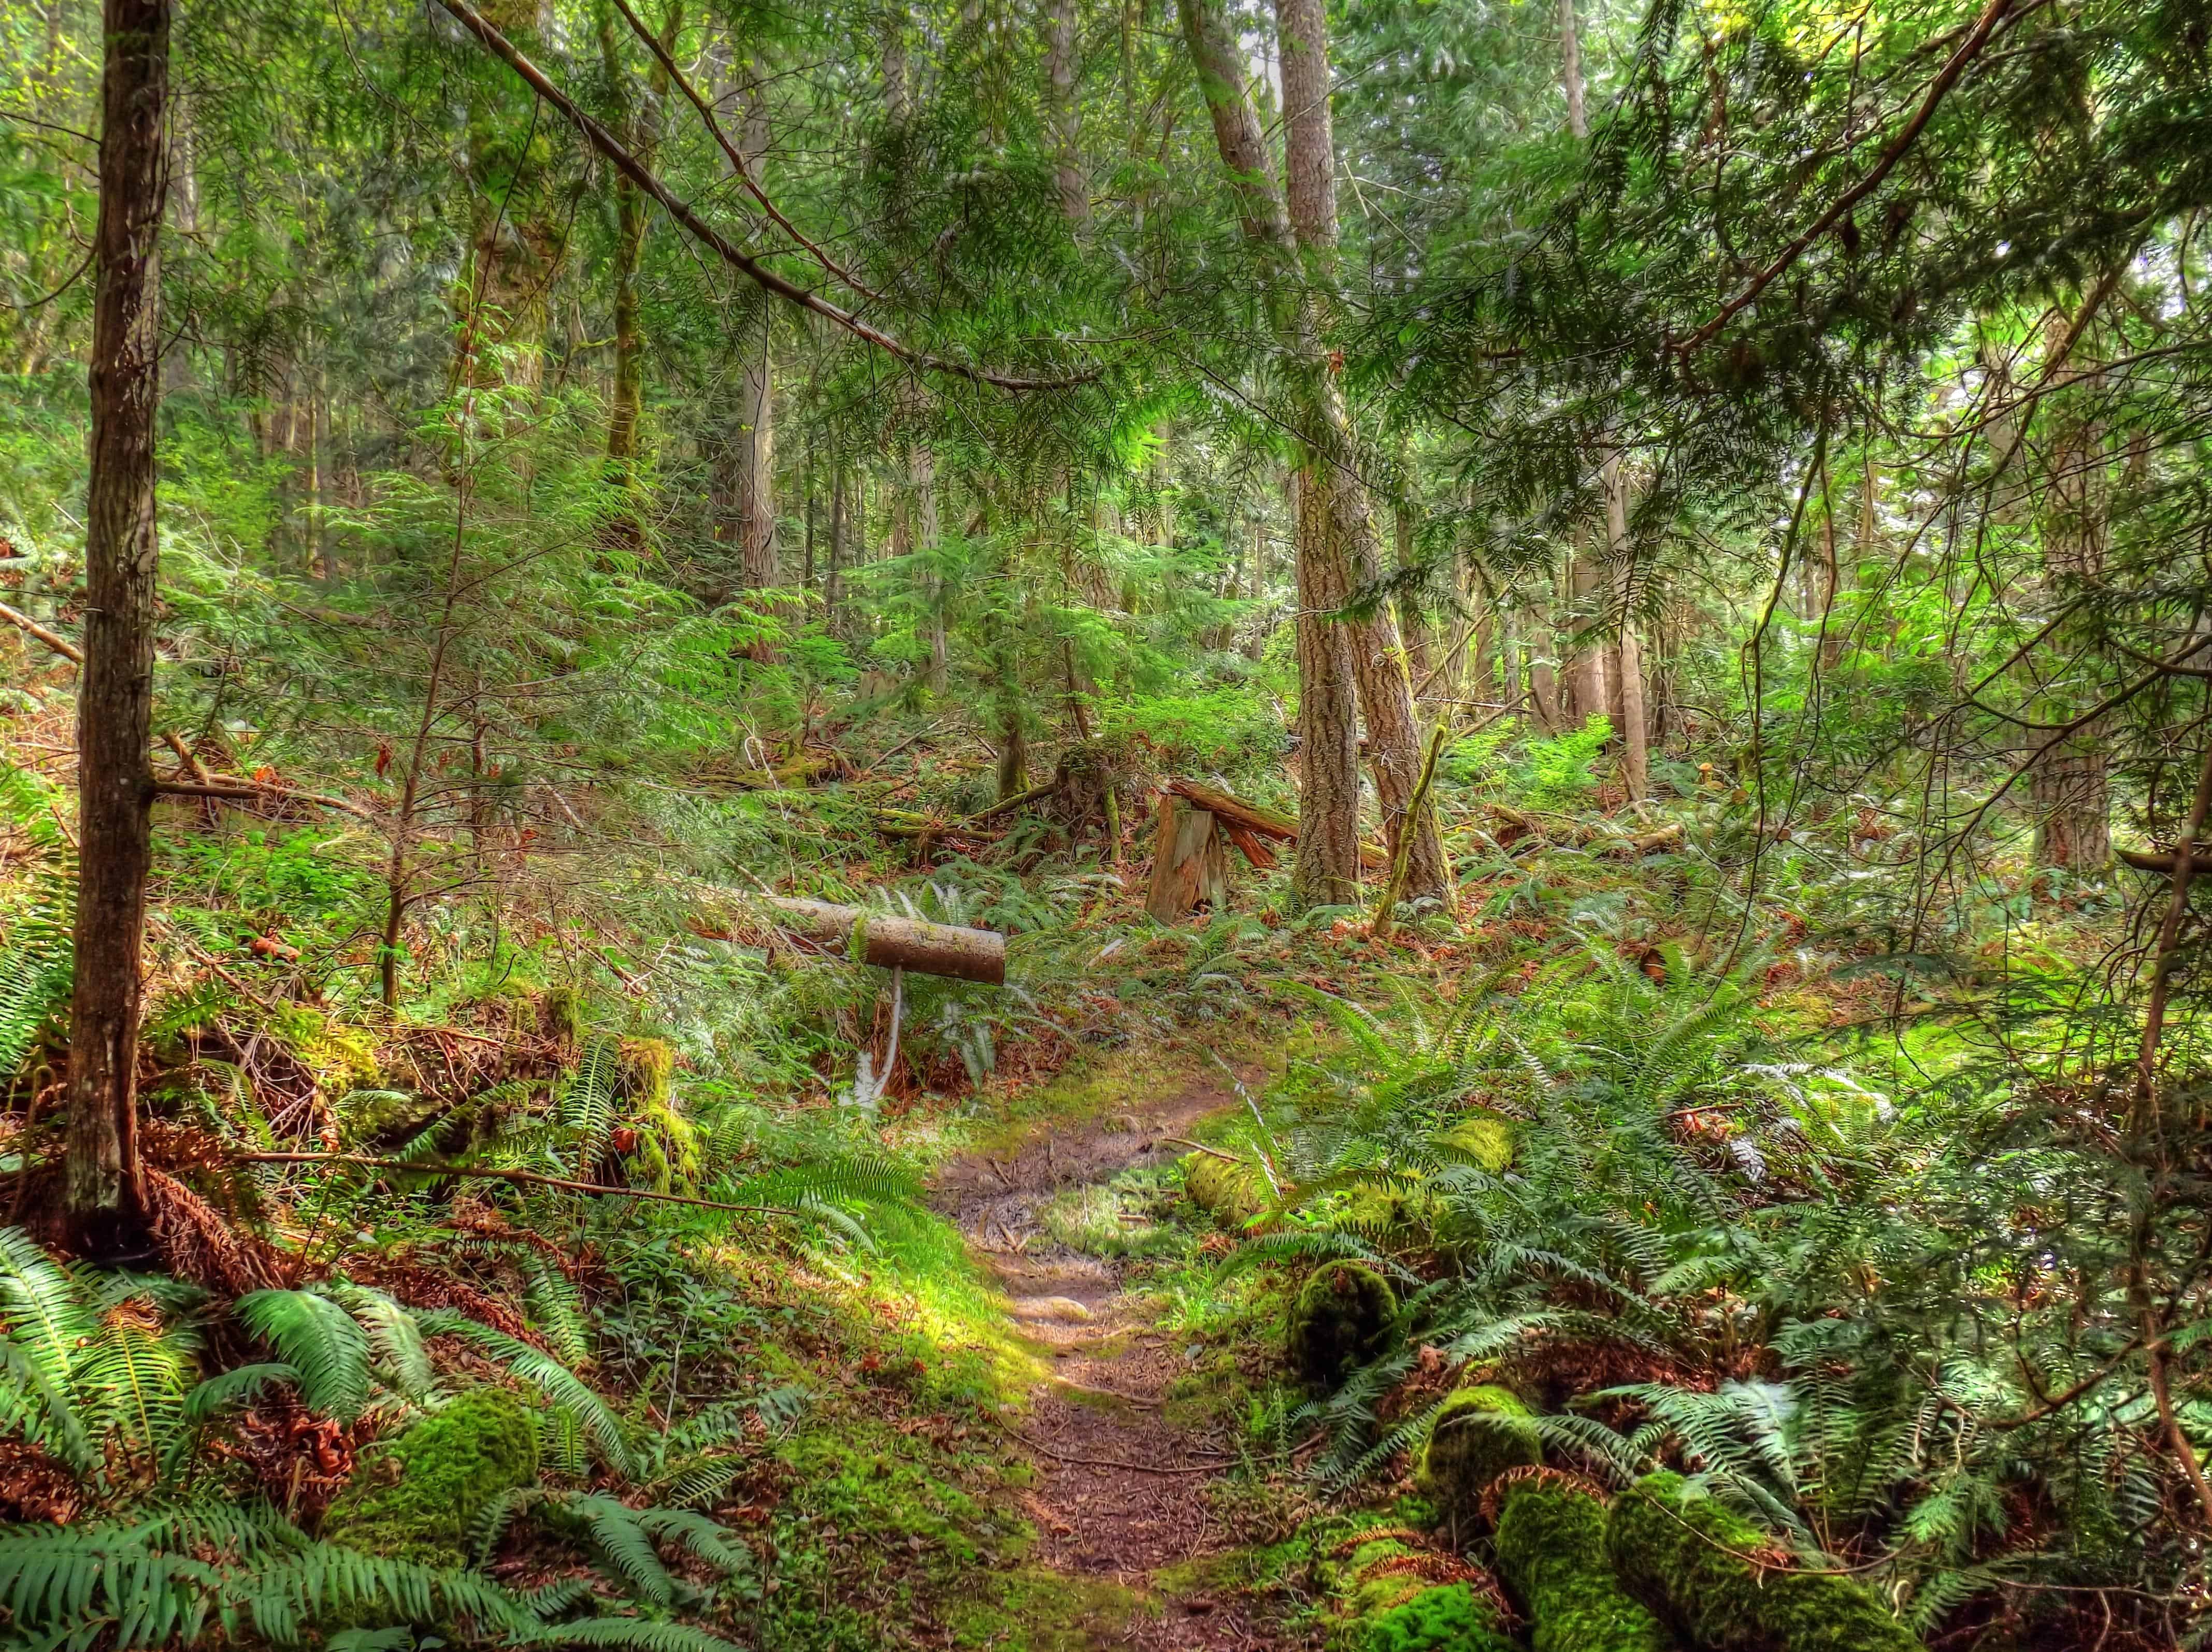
[832,577]
[1064,114]
[1378,660]
[2069,788]
[633,218]
[1326,870]
[1635,724]
[104,1185]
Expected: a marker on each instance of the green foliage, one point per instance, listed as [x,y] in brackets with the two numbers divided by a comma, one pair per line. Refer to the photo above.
[1724,1584]
[319,1341]
[1452,1617]
[1229,730]
[1552,1553]
[1556,771]
[418,1499]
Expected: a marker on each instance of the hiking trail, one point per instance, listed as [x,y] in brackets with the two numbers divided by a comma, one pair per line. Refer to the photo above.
[1120,1493]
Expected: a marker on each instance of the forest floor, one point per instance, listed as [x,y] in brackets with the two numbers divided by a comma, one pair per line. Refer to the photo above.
[1120,1493]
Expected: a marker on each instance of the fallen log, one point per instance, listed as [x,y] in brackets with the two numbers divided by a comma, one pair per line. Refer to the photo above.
[1262,823]
[890,943]
[2161,861]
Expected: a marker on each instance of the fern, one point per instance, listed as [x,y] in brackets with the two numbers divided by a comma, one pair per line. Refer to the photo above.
[321,1341]
[558,1383]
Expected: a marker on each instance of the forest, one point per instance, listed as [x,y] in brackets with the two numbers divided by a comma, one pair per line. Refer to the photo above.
[1300,825]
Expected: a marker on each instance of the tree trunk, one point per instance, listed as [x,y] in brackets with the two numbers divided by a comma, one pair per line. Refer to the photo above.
[1411,624]
[1378,661]
[832,590]
[1065,114]
[105,1192]
[1634,725]
[2069,790]
[1326,870]
[1587,693]
[633,218]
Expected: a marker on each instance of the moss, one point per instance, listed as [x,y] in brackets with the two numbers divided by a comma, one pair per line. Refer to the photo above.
[1479,1433]
[664,1151]
[416,1498]
[1450,1617]
[1340,1320]
[1715,1577]
[1552,1553]
[1230,1191]
[1483,1137]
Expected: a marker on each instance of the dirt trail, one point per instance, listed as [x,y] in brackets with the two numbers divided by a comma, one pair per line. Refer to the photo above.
[1120,1493]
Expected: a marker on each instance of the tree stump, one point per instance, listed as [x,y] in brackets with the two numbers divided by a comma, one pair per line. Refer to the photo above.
[1188,862]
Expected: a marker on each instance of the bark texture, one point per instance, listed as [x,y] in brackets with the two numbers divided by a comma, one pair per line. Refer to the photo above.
[2069,788]
[115,690]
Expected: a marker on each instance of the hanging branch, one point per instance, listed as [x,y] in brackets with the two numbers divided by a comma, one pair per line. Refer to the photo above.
[636,170]
[738,164]
[1969,49]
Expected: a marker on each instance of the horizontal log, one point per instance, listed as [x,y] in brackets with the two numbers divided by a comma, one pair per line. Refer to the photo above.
[1263,822]
[898,943]
[2200,860]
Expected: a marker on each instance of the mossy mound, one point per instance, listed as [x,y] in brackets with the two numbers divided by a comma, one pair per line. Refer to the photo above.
[1480,1432]
[1552,1553]
[1450,1618]
[1339,1322]
[415,1498]
[1230,1191]
[1485,1139]
[1721,1582]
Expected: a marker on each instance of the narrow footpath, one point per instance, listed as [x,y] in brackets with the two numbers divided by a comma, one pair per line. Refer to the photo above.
[1121,1494]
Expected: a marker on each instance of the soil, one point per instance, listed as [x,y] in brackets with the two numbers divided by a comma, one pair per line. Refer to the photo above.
[1120,1494]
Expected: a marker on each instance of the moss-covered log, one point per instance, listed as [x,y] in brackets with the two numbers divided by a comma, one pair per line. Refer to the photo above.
[1339,1322]
[1228,1190]
[1479,1433]
[1551,1554]
[1450,1617]
[416,1498]
[1726,1585]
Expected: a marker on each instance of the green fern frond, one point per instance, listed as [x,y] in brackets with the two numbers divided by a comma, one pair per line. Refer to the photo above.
[558,1383]
[321,1341]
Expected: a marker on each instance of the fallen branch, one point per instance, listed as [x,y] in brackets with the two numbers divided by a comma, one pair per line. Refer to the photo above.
[1264,823]
[60,644]
[238,791]
[1007,806]
[1103,1462]
[591,1189]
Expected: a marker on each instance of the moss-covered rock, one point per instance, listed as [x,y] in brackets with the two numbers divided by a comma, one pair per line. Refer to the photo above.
[1483,1137]
[1479,1433]
[1725,1585]
[415,1498]
[1230,1191]
[1340,1320]
[1449,1617]
[1552,1553]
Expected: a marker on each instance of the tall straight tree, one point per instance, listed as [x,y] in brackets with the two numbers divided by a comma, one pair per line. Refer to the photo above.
[1345,534]
[1327,870]
[115,694]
